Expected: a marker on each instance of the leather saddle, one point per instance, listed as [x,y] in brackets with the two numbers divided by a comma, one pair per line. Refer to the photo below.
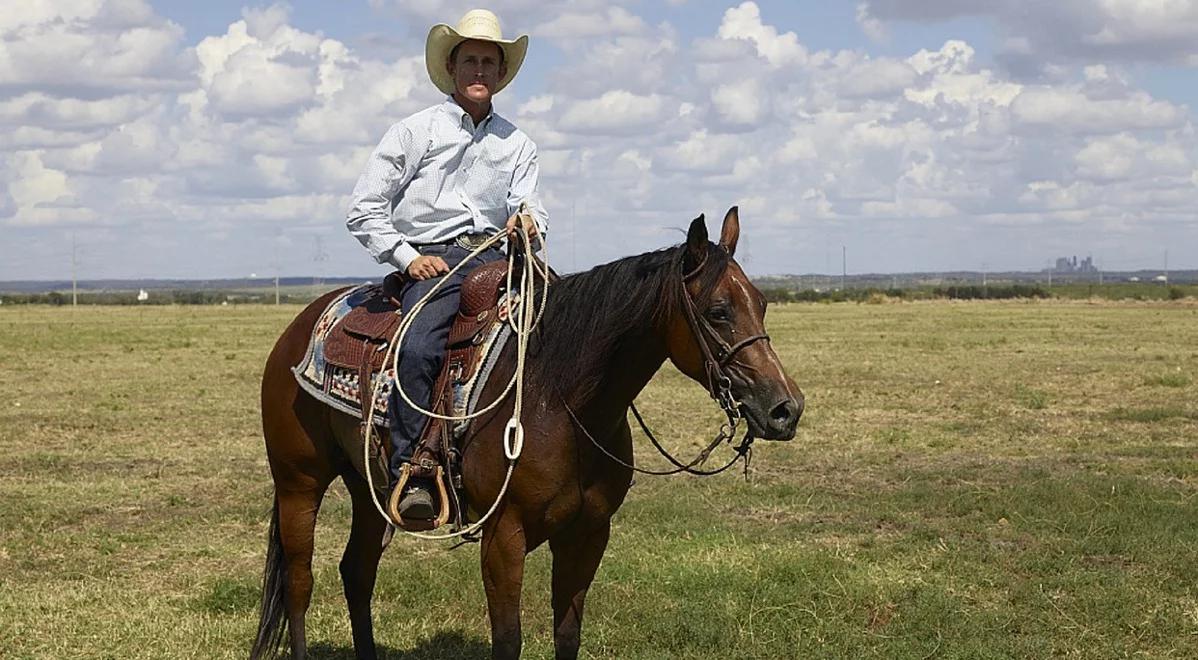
[360,341]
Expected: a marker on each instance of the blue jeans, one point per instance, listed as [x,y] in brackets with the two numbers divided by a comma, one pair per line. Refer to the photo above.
[423,349]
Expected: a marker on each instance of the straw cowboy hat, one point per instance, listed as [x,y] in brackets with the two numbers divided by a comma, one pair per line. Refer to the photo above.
[476,24]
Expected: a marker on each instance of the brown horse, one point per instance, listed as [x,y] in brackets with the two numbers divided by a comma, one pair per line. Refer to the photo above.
[604,334]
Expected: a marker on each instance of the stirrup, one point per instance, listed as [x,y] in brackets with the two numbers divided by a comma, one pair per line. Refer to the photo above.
[418,525]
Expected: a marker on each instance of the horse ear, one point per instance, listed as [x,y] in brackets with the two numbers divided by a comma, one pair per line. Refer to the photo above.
[731,231]
[696,242]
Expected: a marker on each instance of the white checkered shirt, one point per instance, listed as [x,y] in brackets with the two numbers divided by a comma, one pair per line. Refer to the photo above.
[435,175]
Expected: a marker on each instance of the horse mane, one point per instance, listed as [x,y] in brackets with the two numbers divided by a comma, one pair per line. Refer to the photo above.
[593,314]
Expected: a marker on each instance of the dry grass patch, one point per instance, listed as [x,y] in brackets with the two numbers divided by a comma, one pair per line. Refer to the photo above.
[984,479]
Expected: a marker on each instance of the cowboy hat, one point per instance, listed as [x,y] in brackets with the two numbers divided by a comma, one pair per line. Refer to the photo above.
[477,24]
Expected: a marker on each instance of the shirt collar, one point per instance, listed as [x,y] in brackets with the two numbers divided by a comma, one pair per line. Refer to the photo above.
[451,106]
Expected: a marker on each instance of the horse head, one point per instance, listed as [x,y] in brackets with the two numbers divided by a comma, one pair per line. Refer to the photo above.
[718,336]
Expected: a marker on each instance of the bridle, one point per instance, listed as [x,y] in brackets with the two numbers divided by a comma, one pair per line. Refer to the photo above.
[719,386]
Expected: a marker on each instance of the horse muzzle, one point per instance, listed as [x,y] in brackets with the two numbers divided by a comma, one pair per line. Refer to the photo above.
[776,421]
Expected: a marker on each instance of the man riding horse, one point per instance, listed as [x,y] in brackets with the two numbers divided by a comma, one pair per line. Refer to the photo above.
[440,183]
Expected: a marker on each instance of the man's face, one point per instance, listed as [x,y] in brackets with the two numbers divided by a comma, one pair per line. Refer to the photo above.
[477,70]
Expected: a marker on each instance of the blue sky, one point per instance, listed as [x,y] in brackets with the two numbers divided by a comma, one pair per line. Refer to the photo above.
[220,139]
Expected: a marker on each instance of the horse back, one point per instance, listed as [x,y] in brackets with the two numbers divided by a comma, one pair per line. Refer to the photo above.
[292,420]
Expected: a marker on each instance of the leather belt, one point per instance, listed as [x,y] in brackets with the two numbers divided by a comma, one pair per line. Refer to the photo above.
[472,240]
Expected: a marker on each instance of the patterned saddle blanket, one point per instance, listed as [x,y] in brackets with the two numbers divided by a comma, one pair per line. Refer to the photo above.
[344,362]
[335,378]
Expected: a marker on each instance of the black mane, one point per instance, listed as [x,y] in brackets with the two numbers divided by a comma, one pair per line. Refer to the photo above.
[590,315]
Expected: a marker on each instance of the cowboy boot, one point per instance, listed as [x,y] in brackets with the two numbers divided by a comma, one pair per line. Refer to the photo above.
[415,500]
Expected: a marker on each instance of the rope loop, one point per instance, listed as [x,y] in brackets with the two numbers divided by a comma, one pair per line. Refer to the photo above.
[529,308]
[513,439]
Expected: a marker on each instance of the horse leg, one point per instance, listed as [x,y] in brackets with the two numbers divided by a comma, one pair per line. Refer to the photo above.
[297,523]
[360,563]
[576,556]
[503,551]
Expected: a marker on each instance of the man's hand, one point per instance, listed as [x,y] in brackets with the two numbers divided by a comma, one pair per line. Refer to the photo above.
[426,266]
[524,219]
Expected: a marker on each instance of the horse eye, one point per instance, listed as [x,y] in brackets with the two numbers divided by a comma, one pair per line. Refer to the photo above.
[718,313]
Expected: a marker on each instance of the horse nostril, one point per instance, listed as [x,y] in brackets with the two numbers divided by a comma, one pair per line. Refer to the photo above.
[784,412]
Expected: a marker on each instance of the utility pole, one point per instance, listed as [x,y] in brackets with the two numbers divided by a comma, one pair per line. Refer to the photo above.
[318,259]
[276,267]
[1166,267]
[74,273]
[984,274]
[844,266]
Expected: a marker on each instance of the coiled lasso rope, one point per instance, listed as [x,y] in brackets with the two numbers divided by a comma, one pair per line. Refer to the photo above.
[523,320]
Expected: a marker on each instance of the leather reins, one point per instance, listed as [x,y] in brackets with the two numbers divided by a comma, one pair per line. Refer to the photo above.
[719,386]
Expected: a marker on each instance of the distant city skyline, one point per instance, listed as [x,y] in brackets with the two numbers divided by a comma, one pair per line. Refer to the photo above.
[169,139]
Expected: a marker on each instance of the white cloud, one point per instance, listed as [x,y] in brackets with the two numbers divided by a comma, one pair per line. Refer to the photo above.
[251,139]
[703,152]
[1107,159]
[744,22]
[871,26]
[1069,109]
[1041,34]
[615,112]
[38,108]
[526,16]
[260,66]
[41,195]
[1123,157]
[877,78]
[536,105]
[83,47]
[642,65]
[740,103]
[580,25]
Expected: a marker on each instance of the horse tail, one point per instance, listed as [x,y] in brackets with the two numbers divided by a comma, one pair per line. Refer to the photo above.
[272,621]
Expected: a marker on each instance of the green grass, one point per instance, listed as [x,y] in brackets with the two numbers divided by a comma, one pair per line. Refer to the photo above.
[971,480]
[1168,380]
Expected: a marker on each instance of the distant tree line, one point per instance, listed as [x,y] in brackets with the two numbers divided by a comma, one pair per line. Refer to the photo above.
[1001,291]
[997,291]
[872,294]
[156,297]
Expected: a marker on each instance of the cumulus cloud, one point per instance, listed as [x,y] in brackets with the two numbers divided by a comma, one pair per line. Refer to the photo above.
[570,19]
[1123,157]
[90,47]
[1070,109]
[877,78]
[1067,30]
[263,111]
[744,22]
[615,112]
[260,66]
[580,25]
[248,140]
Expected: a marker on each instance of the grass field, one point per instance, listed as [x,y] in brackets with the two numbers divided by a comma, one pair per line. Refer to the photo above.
[971,480]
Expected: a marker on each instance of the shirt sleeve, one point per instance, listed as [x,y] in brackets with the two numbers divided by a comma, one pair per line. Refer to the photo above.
[388,171]
[524,188]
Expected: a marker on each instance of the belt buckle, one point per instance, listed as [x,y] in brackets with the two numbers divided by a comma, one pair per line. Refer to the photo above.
[472,240]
